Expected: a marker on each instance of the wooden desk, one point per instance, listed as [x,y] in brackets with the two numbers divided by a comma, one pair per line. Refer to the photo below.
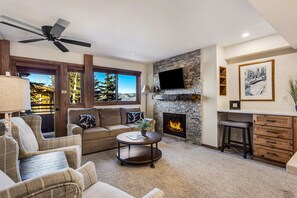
[274,135]
[42,164]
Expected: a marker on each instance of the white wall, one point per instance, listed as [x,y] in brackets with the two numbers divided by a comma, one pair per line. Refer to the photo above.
[265,44]
[209,92]
[25,50]
[285,67]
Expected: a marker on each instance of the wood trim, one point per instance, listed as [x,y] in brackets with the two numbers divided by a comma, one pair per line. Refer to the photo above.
[107,103]
[4,56]
[88,91]
[116,70]
[295,134]
[272,76]
[41,61]
[63,92]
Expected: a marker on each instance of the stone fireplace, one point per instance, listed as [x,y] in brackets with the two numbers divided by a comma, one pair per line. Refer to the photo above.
[174,124]
[180,101]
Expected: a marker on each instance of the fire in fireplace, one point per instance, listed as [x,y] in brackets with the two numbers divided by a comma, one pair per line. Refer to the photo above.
[174,124]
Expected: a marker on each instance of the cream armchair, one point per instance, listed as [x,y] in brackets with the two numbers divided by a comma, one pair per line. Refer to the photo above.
[26,131]
[67,183]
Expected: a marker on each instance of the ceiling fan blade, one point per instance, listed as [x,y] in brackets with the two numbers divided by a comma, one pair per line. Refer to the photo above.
[75,42]
[32,40]
[21,28]
[60,46]
[59,27]
[20,22]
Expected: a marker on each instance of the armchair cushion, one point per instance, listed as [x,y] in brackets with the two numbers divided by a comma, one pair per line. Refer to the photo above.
[5,181]
[104,190]
[25,135]
[61,184]
[88,171]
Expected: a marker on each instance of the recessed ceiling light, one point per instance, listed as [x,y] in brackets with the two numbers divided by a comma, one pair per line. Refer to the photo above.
[132,54]
[245,34]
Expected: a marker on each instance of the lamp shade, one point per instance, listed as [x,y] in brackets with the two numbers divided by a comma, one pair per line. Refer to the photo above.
[14,94]
[145,89]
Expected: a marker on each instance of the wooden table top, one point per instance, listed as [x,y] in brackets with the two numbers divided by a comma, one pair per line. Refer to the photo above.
[42,164]
[151,138]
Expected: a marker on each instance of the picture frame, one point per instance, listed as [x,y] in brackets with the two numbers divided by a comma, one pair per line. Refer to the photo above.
[256,81]
[234,104]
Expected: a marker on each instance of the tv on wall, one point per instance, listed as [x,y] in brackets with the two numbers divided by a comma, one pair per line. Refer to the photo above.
[172,79]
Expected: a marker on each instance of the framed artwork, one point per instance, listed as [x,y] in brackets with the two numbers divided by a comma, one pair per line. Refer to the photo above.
[256,81]
[234,104]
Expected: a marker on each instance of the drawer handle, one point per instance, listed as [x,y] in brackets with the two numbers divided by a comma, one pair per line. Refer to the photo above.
[274,154]
[276,132]
[271,142]
[271,120]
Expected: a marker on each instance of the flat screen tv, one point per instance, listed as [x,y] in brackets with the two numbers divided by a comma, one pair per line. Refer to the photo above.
[172,79]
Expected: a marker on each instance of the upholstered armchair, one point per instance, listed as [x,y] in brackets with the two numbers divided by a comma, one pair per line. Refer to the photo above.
[26,131]
[67,183]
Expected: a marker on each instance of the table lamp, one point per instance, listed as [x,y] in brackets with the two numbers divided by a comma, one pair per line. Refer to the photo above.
[14,97]
[146,90]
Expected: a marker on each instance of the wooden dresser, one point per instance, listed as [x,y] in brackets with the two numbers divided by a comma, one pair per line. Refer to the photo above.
[273,138]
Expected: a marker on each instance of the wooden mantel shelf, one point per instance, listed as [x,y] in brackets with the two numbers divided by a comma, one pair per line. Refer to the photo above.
[178,97]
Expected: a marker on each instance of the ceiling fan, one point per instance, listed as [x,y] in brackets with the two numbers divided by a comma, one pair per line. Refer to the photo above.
[50,33]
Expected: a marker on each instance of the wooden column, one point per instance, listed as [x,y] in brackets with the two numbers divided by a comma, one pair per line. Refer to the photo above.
[88,91]
[4,56]
[63,105]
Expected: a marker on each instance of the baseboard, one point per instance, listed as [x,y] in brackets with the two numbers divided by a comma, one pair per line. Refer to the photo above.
[211,147]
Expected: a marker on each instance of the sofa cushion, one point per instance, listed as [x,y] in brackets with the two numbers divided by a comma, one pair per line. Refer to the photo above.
[134,117]
[110,116]
[73,115]
[104,190]
[124,112]
[5,181]
[26,135]
[87,121]
[95,133]
[117,129]
[133,127]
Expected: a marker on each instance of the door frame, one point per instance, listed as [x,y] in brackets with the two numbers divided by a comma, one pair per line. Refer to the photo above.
[61,84]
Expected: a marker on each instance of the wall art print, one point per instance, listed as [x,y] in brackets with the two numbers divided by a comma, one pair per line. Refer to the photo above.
[256,81]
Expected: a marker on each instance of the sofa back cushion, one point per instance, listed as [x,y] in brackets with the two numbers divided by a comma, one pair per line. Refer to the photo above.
[73,115]
[110,116]
[24,134]
[124,112]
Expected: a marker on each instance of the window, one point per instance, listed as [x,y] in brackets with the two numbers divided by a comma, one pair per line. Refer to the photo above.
[116,86]
[126,87]
[74,83]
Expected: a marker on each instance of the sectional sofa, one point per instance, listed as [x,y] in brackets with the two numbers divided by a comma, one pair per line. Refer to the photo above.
[110,122]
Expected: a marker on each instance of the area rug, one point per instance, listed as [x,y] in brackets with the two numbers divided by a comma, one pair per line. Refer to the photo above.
[187,170]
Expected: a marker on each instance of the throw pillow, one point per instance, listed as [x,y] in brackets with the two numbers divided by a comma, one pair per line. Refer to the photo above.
[134,117]
[87,121]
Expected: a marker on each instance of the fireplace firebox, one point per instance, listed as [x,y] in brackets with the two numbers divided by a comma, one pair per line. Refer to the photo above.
[174,124]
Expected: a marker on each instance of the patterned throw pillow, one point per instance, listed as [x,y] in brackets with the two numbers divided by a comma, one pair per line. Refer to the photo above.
[87,121]
[134,117]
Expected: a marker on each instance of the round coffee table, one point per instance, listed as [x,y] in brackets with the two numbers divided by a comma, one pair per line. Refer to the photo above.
[137,151]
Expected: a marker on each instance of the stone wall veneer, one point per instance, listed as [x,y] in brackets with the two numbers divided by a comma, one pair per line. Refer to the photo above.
[190,62]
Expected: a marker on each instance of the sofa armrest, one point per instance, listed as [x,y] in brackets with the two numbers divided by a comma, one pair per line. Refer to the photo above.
[155,193]
[63,183]
[60,142]
[89,174]
[73,129]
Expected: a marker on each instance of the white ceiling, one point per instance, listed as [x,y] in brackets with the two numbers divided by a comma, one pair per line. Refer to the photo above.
[281,15]
[152,29]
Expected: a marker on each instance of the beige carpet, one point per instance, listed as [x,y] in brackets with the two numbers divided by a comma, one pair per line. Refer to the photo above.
[187,170]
